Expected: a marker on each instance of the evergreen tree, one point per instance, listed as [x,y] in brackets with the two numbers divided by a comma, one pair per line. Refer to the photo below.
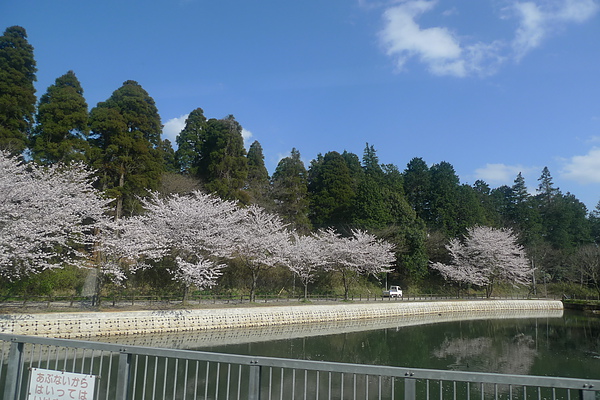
[370,163]
[290,192]
[417,187]
[331,190]
[62,123]
[501,198]
[469,210]
[168,155]
[546,190]
[17,93]
[444,199]
[483,193]
[595,223]
[188,141]
[257,172]
[258,185]
[222,163]
[126,150]
[524,214]
[370,209]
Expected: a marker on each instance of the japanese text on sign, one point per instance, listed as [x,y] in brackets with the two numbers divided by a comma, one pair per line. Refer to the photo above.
[46,384]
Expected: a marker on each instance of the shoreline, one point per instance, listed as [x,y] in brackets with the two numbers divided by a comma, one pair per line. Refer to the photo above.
[119,323]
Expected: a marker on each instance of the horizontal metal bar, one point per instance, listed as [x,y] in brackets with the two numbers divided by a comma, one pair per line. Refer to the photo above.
[374,370]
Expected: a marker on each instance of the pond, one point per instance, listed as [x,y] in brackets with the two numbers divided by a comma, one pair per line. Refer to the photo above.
[551,343]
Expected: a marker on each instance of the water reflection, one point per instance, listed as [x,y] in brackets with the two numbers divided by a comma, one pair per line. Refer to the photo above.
[547,343]
[208,338]
[514,357]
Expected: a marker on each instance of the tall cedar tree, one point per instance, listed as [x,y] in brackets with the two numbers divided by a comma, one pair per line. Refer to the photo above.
[524,215]
[126,132]
[189,140]
[290,191]
[444,199]
[62,123]
[222,163]
[257,183]
[369,207]
[17,94]
[168,155]
[417,187]
[331,191]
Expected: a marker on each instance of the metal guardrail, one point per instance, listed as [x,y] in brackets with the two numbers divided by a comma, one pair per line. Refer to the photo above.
[132,373]
[121,301]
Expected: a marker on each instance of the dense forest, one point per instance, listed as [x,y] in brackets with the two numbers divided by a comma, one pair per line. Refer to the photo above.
[418,208]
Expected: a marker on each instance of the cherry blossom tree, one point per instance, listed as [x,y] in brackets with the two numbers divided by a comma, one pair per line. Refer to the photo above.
[485,257]
[257,241]
[303,255]
[184,230]
[360,254]
[48,216]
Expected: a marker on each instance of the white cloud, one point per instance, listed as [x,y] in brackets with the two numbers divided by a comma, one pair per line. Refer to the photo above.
[403,38]
[173,127]
[247,135]
[583,169]
[500,174]
[538,21]
[444,52]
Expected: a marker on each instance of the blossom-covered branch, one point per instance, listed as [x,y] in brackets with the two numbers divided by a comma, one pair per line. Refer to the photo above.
[48,216]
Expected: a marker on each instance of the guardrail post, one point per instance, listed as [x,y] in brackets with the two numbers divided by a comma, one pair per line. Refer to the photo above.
[410,387]
[254,381]
[14,371]
[586,394]
[124,371]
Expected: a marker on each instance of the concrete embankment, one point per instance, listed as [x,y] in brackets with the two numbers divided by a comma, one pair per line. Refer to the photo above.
[73,325]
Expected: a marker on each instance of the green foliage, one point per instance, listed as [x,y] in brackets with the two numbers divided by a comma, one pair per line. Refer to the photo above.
[258,185]
[189,141]
[17,93]
[126,146]
[65,281]
[290,191]
[331,190]
[417,187]
[418,209]
[168,156]
[62,123]
[222,164]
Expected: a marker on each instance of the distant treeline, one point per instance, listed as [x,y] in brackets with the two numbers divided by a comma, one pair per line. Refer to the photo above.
[418,208]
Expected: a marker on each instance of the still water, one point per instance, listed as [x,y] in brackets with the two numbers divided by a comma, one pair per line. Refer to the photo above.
[567,346]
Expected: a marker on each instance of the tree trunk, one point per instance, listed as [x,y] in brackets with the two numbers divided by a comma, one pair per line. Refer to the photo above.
[186,292]
[346,288]
[253,286]
[119,206]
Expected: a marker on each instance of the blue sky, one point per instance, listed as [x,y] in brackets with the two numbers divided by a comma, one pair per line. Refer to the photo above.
[493,87]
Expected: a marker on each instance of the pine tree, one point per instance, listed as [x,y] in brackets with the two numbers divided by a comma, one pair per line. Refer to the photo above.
[17,93]
[126,132]
[62,123]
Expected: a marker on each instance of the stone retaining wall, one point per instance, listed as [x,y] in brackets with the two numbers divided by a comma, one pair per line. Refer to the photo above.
[73,325]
